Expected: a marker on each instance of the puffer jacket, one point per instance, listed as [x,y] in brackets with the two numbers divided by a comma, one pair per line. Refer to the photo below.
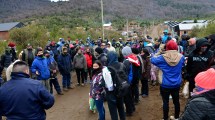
[64,64]
[200,107]
[89,59]
[80,62]
[41,65]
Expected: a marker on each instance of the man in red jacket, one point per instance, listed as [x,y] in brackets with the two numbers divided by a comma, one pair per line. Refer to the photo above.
[89,58]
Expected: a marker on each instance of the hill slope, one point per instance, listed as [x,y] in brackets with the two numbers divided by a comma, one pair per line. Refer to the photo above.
[144,9]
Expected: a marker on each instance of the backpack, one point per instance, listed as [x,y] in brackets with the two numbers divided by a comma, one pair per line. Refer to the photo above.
[120,81]
[130,74]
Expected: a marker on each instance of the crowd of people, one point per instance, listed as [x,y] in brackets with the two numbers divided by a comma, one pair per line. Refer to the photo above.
[114,70]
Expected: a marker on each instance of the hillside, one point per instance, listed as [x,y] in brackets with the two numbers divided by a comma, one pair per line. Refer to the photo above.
[11,10]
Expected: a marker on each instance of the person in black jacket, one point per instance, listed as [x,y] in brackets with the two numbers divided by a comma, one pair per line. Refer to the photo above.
[115,103]
[198,61]
[202,104]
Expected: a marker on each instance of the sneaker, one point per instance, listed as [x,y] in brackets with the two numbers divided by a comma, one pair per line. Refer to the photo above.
[60,93]
[82,84]
[65,89]
[71,87]
[78,84]
[173,118]
[144,95]
[94,111]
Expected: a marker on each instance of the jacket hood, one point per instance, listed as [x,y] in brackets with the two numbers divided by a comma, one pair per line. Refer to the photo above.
[126,51]
[133,59]
[172,57]
[15,75]
[112,57]
[110,44]
[201,42]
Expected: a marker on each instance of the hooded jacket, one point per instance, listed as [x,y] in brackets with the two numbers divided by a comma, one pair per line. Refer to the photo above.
[200,107]
[111,48]
[102,56]
[80,62]
[170,63]
[64,63]
[197,63]
[24,99]
[41,65]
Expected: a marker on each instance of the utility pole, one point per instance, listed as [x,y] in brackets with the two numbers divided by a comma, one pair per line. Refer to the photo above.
[127,28]
[102,12]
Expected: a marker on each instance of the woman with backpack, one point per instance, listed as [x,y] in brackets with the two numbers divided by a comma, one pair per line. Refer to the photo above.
[98,88]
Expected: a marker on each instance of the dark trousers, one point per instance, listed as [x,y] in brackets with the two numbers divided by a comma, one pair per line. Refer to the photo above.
[100,108]
[115,105]
[135,92]
[89,72]
[55,83]
[129,103]
[66,80]
[165,93]
[145,87]
[80,75]
[191,85]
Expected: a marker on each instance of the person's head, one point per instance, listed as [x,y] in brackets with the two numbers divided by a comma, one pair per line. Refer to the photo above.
[171,45]
[79,51]
[145,52]
[97,67]
[68,38]
[126,51]
[120,39]
[112,57]
[7,51]
[165,32]
[88,50]
[103,45]
[99,50]
[201,45]
[20,67]
[40,53]
[191,41]
[29,46]
[47,53]
[64,50]
[205,80]
[135,51]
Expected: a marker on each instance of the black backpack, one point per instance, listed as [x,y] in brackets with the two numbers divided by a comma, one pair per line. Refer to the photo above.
[120,81]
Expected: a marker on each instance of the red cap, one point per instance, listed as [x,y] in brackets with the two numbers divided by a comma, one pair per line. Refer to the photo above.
[171,45]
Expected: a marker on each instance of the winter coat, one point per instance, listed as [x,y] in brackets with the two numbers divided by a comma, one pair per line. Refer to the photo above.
[111,48]
[136,68]
[103,58]
[6,60]
[98,87]
[52,66]
[190,49]
[147,66]
[41,65]
[80,62]
[89,59]
[24,99]
[200,107]
[28,56]
[170,63]
[64,64]
[197,63]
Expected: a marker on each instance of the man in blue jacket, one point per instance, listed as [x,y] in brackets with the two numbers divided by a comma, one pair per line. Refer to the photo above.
[23,98]
[40,67]
[170,63]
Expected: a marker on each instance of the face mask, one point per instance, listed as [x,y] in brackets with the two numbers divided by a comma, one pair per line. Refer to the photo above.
[203,49]
[40,56]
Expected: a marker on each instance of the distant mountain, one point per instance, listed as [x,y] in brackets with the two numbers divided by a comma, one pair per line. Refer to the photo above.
[12,10]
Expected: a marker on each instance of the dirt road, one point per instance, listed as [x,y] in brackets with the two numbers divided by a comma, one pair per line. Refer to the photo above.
[74,105]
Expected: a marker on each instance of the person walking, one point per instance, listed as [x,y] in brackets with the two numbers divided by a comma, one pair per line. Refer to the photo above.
[171,63]
[23,98]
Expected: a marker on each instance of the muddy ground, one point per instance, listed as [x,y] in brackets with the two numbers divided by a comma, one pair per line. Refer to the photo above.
[74,105]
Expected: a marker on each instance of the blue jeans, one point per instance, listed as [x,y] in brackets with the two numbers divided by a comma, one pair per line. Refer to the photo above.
[101,109]
[115,105]
[54,82]
[66,80]
[165,93]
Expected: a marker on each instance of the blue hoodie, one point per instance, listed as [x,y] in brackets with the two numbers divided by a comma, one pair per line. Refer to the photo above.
[41,65]
[24,99]
[171,64]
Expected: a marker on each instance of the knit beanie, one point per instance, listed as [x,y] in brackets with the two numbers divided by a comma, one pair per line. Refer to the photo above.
[99,50]
[171,45]
[206,79]
[126,51]
[135,51]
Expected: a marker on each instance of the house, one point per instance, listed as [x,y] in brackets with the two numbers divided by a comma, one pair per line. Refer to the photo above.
[108,26]
[6,27]
[187,28]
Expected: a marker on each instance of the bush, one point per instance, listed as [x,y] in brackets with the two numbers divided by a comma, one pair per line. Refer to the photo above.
[3,45]
[204,31]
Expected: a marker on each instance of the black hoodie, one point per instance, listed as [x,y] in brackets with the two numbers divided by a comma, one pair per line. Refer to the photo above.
[197,63]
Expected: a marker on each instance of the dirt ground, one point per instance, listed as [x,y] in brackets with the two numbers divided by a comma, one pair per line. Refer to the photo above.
[74,105]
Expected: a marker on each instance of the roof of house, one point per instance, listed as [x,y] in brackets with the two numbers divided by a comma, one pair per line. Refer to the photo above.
[107,25]
[190,26]
[192,21]
[8,26]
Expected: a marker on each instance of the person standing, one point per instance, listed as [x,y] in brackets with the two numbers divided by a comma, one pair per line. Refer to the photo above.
[80,65]
[89,58]
[99,53]
[53,71]
[6,60]
[98,89]
[198,61]
[29,54]
[171,63]
[65,67]
[41,69]
[23,98]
